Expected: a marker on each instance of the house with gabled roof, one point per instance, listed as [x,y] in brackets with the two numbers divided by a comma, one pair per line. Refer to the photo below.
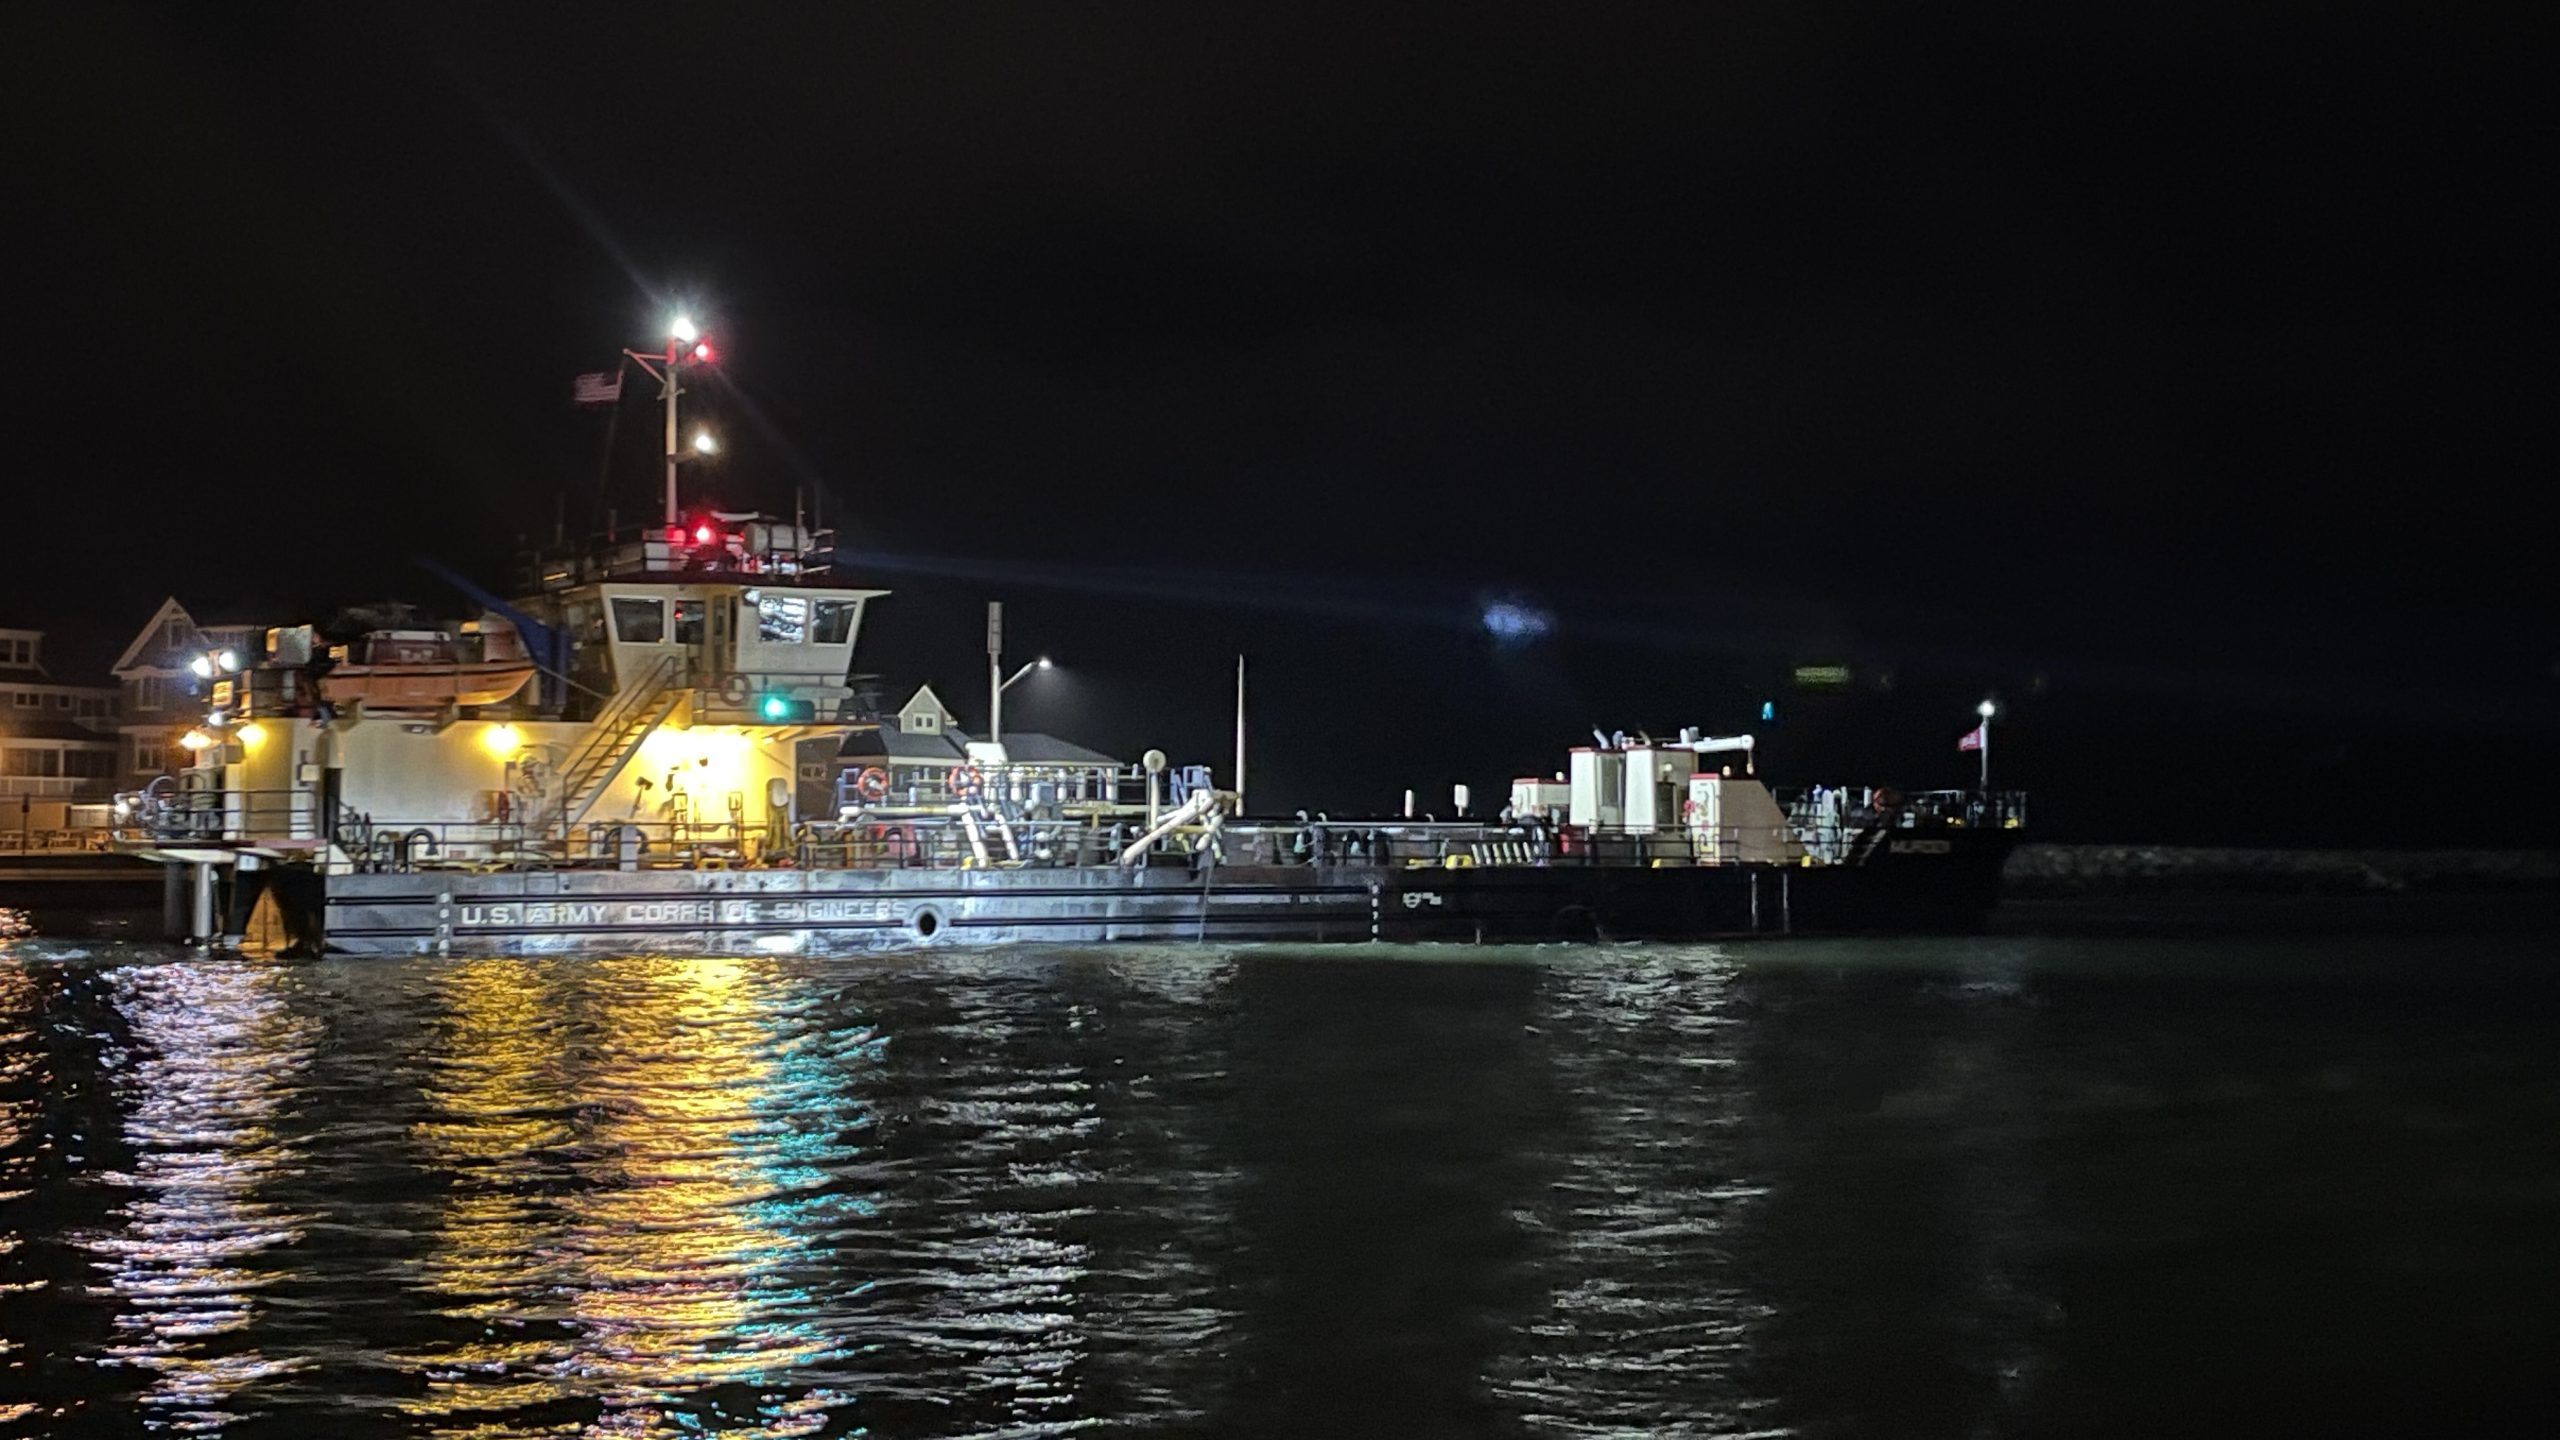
[920,746]
[162,696]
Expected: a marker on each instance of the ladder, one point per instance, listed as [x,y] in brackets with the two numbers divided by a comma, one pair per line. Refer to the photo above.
[615,737]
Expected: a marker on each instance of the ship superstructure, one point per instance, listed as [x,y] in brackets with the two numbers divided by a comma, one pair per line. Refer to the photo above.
[620,753]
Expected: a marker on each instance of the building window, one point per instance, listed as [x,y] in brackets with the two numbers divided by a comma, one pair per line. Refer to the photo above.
[32,762]
[15,651]
[150,692]
[61,702]
[640,622]
[149,757]
[835,621]
[27,700]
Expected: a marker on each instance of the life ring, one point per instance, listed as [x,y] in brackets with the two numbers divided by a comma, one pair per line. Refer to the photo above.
[872,784]
[734,689]
[965,780]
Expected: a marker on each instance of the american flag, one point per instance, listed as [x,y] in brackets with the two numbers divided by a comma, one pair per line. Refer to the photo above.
[603,388]
[1972,739]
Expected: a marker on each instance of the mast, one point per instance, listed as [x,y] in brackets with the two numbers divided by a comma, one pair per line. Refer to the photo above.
[685,346]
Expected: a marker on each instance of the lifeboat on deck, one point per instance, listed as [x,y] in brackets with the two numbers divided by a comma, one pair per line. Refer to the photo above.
[423,670]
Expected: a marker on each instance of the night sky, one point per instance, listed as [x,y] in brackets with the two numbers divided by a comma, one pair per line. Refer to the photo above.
[2169,372]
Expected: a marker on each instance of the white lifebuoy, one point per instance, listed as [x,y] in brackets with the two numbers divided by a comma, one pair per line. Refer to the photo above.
[734,689]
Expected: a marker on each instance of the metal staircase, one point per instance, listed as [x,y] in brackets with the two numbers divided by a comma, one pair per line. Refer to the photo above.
[616,736]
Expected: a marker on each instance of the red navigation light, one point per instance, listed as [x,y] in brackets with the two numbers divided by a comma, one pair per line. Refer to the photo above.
[703,353]
[701,534]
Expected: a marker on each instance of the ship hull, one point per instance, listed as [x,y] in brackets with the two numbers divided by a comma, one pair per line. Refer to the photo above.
[1951,886]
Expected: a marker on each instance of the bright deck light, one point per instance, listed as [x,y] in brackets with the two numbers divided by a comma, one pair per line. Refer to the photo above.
[682,329]
[703,444]
[1986,709]
[252,734]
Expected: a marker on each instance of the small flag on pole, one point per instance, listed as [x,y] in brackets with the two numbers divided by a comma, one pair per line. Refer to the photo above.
[598,389]
[1973,738]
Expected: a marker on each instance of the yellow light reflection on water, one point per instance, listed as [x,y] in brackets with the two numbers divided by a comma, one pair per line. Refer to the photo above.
[496,1088]
[654,1264]
[667,1238]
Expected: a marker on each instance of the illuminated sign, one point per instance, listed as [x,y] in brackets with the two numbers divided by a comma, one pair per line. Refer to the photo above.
[1823,677]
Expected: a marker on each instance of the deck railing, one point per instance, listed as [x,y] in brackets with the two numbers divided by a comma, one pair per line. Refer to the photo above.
[1830,828]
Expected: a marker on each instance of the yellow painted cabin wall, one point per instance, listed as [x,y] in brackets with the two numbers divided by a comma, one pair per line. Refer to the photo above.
[452,776]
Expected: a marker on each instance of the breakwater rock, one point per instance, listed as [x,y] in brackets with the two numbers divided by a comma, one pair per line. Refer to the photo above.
[2102,869]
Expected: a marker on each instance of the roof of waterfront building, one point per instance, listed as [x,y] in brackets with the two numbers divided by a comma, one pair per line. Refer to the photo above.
[923,733]
[1022,747]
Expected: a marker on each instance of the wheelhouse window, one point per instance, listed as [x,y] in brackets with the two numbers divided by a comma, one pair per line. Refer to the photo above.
[834,622]
[782,619]
[689,622]
[640,622]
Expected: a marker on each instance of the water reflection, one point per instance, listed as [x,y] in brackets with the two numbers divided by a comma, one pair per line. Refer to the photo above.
[1895,1244]
[1389,1121]
[1651,1317]
[21,1076]
[644,1158]
[217,1053]
[1818,1189]
[1046,1251]
[495,1092]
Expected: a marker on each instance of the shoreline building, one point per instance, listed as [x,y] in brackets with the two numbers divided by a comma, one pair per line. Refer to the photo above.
[162,696]
[58,742]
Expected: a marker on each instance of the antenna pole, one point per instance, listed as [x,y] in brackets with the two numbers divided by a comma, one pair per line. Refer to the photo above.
[1239,734]
[995,672]
[669,386]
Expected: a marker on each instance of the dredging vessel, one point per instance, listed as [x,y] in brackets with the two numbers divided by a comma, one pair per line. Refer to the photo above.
[641,748]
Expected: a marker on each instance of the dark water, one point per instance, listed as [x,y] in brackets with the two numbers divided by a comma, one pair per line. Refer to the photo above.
[2109,1185]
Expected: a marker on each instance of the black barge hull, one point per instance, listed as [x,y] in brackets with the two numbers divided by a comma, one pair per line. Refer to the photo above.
[1936,885]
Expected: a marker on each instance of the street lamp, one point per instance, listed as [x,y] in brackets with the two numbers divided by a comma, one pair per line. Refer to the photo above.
[999,682]
[1983,735]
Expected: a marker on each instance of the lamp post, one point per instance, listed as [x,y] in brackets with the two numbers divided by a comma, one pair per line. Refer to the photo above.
[999,682]
[685,346]
[1986,710]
